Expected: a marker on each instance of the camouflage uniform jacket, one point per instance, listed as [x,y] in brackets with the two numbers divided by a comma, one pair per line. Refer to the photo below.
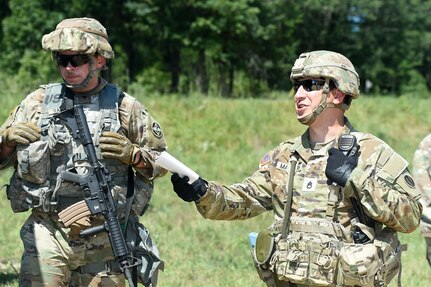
[422,175]
[384,184]
[422,169]
[136,124]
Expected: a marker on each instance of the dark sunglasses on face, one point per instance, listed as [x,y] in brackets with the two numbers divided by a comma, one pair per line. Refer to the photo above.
[74,60]
[309,85]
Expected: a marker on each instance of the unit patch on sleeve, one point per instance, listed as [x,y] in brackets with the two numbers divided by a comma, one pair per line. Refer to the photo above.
[409,180]
[157,130]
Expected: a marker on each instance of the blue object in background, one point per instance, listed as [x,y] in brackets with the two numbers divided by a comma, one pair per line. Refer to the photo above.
[252,238]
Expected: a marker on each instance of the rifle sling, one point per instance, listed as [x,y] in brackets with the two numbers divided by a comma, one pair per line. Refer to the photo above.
[289,194]
[130,195]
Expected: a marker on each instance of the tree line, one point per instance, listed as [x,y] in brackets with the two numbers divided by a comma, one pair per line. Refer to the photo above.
[230,47]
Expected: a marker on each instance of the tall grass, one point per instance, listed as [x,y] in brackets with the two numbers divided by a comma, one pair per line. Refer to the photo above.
[224,140]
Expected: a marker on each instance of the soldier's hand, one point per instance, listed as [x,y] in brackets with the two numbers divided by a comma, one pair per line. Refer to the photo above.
[340,166]
[21,133]
[188,192]
[116,146]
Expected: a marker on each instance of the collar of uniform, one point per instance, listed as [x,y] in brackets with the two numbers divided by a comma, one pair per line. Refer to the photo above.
[306,150]
[85,98]
[303,147]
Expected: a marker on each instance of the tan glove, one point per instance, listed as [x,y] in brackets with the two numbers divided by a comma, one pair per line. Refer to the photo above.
[21,133]
[116,146]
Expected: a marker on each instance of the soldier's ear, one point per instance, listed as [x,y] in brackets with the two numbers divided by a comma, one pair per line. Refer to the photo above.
[100,61]
[338,96]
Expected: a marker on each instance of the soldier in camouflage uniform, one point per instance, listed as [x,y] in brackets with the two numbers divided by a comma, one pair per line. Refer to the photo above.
[422,175]
[336,212]
[38,139]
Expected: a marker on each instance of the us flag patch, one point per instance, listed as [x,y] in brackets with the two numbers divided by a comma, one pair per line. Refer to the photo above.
[265,160]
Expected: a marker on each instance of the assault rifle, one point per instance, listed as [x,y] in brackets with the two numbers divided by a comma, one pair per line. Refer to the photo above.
[96,187]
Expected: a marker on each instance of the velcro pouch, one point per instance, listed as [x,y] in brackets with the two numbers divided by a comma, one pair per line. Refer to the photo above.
[358,264]
[33,162]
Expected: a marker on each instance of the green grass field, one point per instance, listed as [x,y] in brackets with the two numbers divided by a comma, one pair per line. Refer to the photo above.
[224,140]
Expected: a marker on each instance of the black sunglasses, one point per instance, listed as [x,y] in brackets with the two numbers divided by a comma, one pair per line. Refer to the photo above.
[74,60]
[309,85]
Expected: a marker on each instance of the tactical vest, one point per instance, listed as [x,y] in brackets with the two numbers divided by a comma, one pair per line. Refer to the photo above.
[37,181]
[319,251]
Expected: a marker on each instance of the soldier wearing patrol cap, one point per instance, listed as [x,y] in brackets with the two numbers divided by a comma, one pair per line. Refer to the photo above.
[41,142]
[338,196]
[422,175]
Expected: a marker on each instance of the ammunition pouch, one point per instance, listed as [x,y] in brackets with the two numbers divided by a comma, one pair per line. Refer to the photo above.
[389,249]
[306,258]
[29,185]
[34,162]
[371,264]
[358,264]
[24,195]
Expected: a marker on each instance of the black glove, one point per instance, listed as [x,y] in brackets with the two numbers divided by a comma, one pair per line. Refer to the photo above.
[189,192]
[340,166]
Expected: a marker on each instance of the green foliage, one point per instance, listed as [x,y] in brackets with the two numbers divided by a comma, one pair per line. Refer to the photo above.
[23,31]
[416,85]
[152,80]
[224,139]
[233,48]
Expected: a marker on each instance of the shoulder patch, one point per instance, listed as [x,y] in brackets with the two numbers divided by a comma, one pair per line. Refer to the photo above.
[409,181]
[265,160]
[392,167]
[157,130]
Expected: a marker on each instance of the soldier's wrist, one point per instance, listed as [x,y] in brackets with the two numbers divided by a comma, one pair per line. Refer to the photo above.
[137,160]
[5,138]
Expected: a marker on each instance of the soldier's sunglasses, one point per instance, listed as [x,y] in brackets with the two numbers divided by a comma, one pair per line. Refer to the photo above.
[74,60]
[309,85]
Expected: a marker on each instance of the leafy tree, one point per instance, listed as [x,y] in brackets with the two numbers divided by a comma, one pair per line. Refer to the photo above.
[4,11]
[216,45]
[388,42]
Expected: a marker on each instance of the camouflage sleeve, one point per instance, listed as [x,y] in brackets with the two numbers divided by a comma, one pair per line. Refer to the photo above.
[422,170]
[238,201]
[385,187]
[144,131]
[422,176]
[7,154]
[28,110]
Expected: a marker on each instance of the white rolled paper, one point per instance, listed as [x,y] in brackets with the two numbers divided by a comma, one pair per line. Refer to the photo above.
[172,164]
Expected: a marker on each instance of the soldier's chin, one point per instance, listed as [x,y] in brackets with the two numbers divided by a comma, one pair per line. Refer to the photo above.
[75,85]
[305,119]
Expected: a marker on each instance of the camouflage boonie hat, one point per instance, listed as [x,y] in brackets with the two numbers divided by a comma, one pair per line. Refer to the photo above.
[81,35]
[328,64]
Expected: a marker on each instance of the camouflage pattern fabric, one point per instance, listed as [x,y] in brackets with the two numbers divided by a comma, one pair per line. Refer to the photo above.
[52,251]
[358,264]
[81,35]
[328,64]
[422,175]
[386,189]
[142,129]
[50,256]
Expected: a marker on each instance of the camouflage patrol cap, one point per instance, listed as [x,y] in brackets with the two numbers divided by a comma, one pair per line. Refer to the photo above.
[82,35]
[328,64]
